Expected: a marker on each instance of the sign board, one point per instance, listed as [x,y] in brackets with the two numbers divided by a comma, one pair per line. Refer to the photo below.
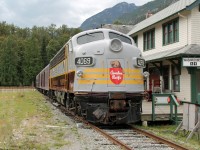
[84,61]
[191,62]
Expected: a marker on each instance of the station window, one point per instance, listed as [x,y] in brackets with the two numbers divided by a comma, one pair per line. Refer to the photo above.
[166,77]
[171,32]
[175,79]
[149,39]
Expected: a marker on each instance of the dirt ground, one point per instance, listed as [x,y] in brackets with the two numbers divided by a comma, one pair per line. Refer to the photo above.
[29,122]
[37,132]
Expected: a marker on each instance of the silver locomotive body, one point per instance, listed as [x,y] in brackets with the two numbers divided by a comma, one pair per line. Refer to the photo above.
[108,76]
[98,74]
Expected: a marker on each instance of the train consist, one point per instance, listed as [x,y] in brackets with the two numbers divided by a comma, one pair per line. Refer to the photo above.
[97,74]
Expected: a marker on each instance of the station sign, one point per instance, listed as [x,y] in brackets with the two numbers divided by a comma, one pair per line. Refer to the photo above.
[191,62]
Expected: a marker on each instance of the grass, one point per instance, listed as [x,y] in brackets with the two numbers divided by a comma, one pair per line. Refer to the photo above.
[167,131]
[18,106]
[24,116]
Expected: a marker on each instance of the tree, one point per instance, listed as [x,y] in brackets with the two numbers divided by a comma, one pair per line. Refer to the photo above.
[117,22]
[44,53]
[32,61]
[52,48]
[9,60]
[24,52]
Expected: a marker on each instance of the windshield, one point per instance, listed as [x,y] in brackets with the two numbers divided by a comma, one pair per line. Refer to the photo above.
[90,37]
[125,39]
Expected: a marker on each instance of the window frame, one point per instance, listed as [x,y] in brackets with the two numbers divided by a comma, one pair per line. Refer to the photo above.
[123,38]
[89,40]
[149,39]
[166,77]
[135,39]
[176,77]
[170,31]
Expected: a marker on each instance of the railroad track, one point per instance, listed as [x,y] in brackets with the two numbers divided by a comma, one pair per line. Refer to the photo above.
[128,137]
[133,138]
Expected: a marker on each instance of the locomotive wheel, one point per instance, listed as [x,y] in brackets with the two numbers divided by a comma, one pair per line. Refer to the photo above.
[78,105]
[67,103]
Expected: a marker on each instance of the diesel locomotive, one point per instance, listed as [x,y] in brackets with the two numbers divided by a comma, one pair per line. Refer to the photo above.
[98,74]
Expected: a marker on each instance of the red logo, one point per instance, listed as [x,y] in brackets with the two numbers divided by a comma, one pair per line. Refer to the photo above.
[116,75]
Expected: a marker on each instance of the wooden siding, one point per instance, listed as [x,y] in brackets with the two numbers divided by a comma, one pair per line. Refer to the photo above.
[195,22]
[183,36]
[185,86]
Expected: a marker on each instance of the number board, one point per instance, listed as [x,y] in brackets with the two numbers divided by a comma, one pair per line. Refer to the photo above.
[84,61]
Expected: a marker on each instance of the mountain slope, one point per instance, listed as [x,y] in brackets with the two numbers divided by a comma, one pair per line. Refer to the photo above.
[124,13]
[108,15]
[139,14]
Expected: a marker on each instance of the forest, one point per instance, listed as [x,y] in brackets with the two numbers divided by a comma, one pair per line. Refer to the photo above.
[25,51]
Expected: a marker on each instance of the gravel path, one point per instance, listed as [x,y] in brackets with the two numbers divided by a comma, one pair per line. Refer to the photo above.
[58,132]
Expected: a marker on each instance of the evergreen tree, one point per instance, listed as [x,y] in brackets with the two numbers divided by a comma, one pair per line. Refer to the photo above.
[44,53]
[9,60]
[24,52]
[32,61]
[52,48]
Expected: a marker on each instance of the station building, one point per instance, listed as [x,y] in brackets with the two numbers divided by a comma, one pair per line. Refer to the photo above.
[170,43]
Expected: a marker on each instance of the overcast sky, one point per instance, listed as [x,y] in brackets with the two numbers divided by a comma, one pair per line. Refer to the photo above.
[27,13]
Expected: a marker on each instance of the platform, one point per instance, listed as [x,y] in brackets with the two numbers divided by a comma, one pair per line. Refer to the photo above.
[162,112]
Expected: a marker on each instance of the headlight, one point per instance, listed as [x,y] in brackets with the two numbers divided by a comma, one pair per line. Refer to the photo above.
[141,62]
[116,45]
[79,73]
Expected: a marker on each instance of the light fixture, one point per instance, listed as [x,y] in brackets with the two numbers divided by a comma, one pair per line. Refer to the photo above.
[116,45]
[79,73]
[145,74]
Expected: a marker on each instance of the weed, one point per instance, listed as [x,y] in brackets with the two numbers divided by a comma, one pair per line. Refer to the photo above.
[17,106]
[167,131]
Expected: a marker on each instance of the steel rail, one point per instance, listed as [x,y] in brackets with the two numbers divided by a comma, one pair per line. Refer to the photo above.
[111,138]
[118,142]
[159,139]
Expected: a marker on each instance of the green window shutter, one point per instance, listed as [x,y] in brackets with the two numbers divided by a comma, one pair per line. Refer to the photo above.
[149,39]
[144,41]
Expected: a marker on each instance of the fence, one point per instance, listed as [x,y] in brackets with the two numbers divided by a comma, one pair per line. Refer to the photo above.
[16,89]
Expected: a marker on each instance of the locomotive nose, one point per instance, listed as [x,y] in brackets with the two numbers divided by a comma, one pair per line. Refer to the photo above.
[116,45]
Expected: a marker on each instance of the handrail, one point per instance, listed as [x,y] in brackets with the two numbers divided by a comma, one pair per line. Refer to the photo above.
[173,102]
[191,103]
[188,117]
